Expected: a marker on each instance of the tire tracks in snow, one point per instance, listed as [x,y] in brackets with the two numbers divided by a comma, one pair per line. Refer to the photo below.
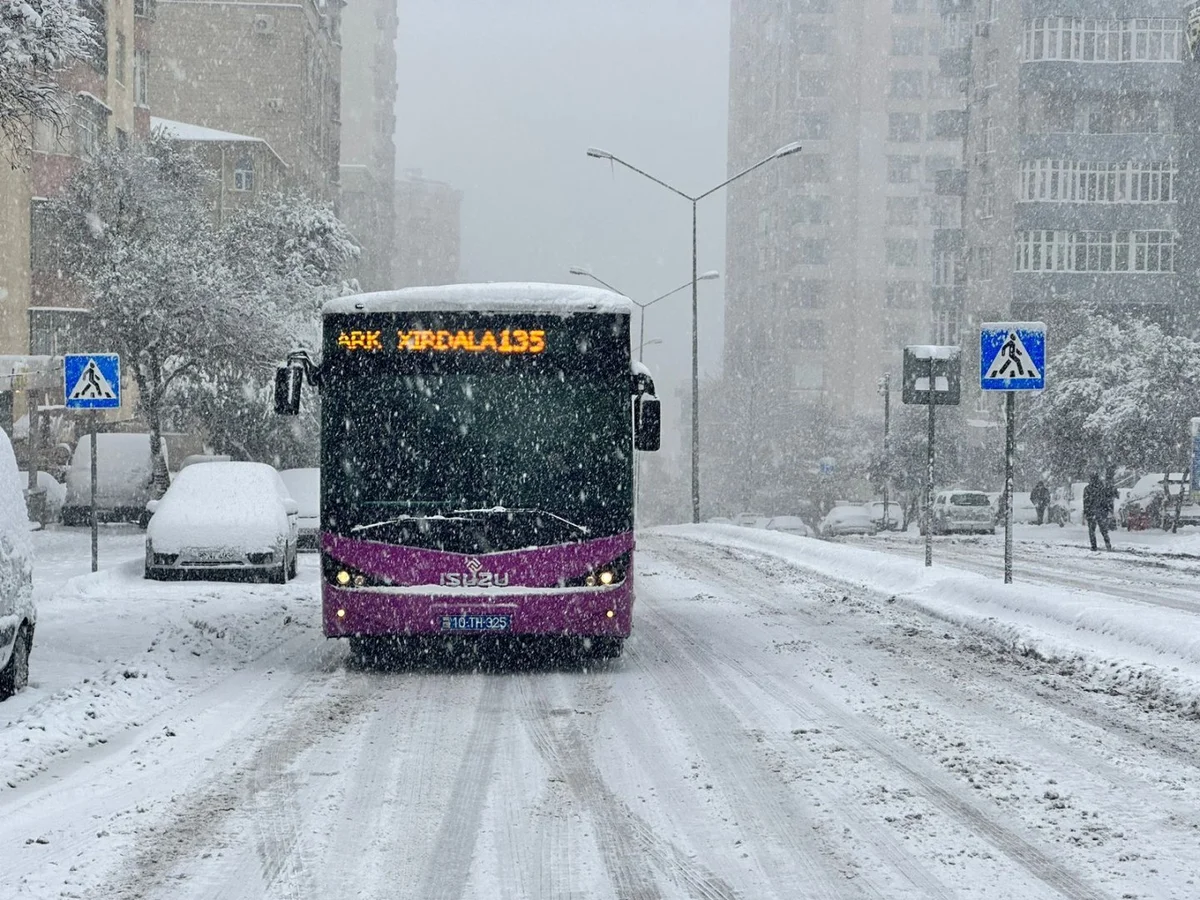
[629,846]
[939,790]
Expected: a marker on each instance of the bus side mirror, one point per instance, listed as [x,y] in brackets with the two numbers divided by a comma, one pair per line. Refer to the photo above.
[648,433]
[287,390]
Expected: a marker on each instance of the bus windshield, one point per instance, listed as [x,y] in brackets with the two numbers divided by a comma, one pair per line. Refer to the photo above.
[419,448]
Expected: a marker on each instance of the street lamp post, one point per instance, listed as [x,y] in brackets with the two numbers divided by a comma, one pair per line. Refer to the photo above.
[785,150]
[585,273]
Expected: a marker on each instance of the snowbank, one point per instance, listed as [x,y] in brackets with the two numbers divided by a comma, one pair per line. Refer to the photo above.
[1147,648]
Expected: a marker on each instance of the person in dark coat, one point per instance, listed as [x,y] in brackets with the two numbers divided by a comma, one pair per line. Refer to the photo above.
[1097,508]
[1040,498]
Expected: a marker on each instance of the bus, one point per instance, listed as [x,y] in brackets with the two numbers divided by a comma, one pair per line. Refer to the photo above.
[477,463]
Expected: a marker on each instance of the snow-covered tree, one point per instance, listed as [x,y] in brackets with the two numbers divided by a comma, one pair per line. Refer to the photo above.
[1120,394]
[37,38]
[134,227]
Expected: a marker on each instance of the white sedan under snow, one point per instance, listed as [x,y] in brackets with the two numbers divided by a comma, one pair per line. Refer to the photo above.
[225,517]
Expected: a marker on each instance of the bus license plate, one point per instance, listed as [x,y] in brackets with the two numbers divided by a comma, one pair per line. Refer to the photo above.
[476,623]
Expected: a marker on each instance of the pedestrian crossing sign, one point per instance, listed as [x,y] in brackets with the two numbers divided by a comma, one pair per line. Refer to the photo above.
[1012,356]
[92,380]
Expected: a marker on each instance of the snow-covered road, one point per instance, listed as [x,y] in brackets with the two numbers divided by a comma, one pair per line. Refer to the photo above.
[770,733]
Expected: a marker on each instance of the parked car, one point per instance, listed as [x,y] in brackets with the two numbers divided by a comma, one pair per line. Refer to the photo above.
[962,511]
[124,470]
[747,519]
[1024,512]
[850,519]
[226,517]
[875,508]
[1150,503]
[304,485]
[790,525]
[194,458]
[18,613]
[720,520]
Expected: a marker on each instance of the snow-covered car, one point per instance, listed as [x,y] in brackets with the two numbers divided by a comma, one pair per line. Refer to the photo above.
[841,520]
[124,472]
[720,520]
[875,508]
[1024,512]
[18,613]
[790,525]
[962,511]
[749,520]
[1151,501]
[224,517]
[305,487]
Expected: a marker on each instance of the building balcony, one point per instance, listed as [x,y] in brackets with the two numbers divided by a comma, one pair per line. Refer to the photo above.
[1061,216]
[949,124]
[950,183]
[955,62]
[947,240]
[1099,147]
[948,295]
[1045,76]
[1095,288]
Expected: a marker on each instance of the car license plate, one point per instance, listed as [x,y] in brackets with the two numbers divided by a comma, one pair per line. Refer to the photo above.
[466,622]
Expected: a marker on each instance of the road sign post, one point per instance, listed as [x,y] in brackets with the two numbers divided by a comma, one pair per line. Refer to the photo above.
[92,381]
[1012,357]
[932,376]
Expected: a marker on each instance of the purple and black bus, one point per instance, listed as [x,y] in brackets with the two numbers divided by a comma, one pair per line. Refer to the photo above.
[477,460]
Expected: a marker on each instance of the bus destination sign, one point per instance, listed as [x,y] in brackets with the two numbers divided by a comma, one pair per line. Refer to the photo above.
[514,340]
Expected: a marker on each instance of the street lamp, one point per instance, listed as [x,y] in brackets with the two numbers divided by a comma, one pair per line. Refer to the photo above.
[585,273]
[785,150]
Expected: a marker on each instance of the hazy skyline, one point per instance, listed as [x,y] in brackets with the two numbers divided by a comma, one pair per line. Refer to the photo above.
[502,99]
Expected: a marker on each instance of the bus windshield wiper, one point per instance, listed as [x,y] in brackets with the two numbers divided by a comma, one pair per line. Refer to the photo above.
[503,510]
[400,520]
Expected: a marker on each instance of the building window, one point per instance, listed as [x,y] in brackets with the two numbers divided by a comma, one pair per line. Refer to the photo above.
[810,335]
[1103,40]
[812,211]
[906,85]
[987,200]
[87,132]
[903,211]
[813,126]
[119,54]
[902,294]
[95,10]
[900,253]
[812,168]
[810,375]
[813,40]
[904,127]
[143,8]
[908,41]
[1095,251]
[812,83]
[987,70]
[984,268]
[945,212]
[243,174]
[906,7]
[812,251]
[1069,181]
[947,269]
[902,169]
[955,30]
[989,133]
[809,294]
[53,331]
[812,7]
[945,325]
[141,77]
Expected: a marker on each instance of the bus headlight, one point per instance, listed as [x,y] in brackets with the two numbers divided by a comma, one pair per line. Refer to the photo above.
[342,577]
[604,575]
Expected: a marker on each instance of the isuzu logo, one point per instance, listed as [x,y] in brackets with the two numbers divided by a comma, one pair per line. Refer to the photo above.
[475,576]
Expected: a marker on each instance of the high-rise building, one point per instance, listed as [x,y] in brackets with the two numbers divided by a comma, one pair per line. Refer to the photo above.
[368,161]
[427,231]
[1072,159]
[833,255]
[269,69]
[105,100]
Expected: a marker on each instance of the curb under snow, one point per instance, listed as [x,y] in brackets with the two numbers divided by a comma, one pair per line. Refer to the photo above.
[1149,650]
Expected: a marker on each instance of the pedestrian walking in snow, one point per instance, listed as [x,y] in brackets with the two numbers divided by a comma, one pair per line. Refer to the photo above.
[1040,498]
[1097,507]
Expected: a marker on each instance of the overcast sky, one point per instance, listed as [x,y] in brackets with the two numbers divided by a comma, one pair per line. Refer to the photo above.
[501,98]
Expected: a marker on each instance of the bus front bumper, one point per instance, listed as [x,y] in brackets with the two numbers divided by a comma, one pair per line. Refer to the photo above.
[606,611]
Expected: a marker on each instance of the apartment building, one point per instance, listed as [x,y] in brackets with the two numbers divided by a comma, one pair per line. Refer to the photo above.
[830,253]
[1072,159]
[106,97]
[428,231]
[368,154]
[270,69]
